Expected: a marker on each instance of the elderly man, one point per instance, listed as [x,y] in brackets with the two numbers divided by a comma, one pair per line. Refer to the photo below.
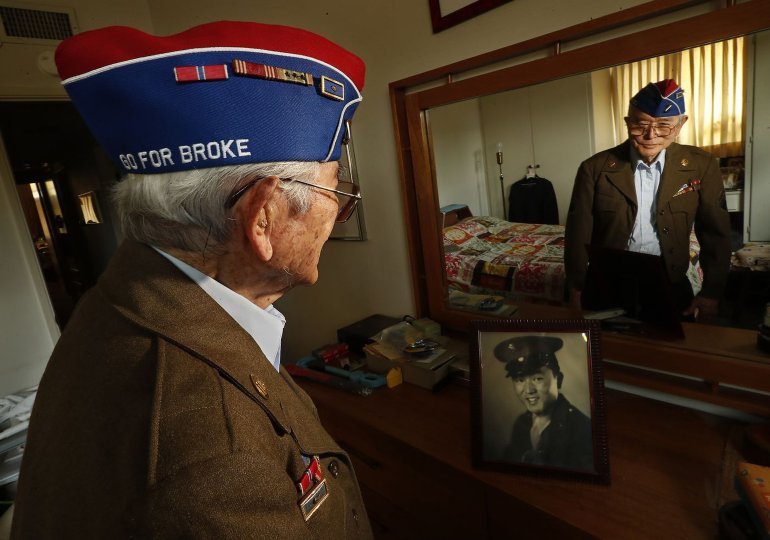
[645,195]
[552,432]
[164,411]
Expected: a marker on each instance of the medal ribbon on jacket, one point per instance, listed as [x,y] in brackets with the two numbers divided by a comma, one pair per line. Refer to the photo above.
[312,487]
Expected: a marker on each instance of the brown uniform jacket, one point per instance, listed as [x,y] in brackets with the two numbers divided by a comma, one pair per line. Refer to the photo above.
[147,424]
[603,209]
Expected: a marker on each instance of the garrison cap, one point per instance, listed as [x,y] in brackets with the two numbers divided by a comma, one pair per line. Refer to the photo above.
[660,99]
[525,355]
[222,93]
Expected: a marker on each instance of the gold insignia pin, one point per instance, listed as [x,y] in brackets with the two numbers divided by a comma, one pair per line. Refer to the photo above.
[685,162]
[611,164]
[259,385]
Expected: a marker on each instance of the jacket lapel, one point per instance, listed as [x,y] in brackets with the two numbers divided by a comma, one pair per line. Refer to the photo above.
[679,170]
[154,294]
[619,171]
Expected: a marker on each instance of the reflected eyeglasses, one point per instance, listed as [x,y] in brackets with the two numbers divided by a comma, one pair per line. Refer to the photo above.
[345,207]
[640,128]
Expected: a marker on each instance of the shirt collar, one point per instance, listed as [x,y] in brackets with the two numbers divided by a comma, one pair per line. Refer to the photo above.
[265,326]
[659,162]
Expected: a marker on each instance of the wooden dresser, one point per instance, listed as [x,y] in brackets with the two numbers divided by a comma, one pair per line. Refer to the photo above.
[412,452]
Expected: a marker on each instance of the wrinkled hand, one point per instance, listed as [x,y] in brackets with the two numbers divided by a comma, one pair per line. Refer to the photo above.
[702,309]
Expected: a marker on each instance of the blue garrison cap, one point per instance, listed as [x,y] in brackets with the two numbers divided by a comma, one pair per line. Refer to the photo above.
[221,93]
[660,99]
[525,355]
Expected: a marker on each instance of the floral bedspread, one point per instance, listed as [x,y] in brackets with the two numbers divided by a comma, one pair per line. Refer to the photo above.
[488,255]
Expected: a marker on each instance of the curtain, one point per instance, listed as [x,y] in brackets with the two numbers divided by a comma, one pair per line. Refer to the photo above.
[713,78]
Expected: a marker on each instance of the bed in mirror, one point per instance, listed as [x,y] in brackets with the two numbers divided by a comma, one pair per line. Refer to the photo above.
[470,132]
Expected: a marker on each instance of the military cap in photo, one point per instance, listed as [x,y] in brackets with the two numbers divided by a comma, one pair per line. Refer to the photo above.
[222,93]
[660,99]
[525,355]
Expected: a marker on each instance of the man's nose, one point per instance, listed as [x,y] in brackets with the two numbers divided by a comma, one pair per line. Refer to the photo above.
[649,133]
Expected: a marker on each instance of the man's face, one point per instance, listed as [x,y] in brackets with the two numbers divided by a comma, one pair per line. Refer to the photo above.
[303,235]
[647,141]
[537,391]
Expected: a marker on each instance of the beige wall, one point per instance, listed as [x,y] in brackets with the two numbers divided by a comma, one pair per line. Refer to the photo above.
[395,40]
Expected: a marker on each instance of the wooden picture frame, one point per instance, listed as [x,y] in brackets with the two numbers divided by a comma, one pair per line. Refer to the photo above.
[441,18]
[355,228]
[541,382]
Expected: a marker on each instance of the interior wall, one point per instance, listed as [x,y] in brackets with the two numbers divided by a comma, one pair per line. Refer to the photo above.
[458,151]
[395,40]
[758,181]
[548,125]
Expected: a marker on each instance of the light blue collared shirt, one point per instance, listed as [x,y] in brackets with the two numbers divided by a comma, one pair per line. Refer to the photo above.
[265,326]
[644,237]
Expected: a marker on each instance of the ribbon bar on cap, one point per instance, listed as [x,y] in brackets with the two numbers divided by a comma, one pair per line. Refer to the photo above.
[332,89]
[216,72]
[263,71]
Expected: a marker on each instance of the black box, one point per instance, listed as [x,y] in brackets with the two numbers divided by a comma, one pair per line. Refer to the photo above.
[359,333]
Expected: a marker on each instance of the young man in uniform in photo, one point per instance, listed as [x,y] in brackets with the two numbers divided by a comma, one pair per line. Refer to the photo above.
[552,432]
[645,195]
[164,411]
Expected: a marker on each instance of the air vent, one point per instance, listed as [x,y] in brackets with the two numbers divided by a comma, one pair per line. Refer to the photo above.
[24,25]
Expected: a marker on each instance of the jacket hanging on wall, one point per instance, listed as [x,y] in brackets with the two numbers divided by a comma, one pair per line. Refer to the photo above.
[533,200]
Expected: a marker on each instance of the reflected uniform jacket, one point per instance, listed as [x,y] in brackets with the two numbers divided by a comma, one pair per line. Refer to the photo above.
[603,210]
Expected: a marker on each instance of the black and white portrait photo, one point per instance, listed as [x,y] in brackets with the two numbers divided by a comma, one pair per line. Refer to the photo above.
[536,395]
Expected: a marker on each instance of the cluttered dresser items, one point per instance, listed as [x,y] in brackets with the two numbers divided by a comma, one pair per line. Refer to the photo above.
[383,352]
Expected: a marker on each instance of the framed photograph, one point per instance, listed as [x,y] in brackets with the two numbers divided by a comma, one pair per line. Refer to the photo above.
[537,398]
[354,228]
[447,13]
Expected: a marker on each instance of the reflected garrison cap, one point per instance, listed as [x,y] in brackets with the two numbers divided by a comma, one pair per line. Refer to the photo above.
[527,354]
[663,98]
[222,93]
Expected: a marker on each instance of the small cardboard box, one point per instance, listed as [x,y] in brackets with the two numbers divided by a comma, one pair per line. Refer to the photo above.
[420,372]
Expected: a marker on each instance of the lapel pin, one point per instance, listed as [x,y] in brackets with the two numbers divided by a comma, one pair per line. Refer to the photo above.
[685,162]
[259,385]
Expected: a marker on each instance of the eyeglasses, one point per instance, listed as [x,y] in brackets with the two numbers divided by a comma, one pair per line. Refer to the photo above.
[345,206]
[640,128]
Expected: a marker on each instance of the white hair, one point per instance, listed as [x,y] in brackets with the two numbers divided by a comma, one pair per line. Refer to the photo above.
[186,209]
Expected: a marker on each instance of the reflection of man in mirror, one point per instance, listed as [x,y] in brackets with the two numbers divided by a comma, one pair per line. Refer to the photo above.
[552,431]
[646,195]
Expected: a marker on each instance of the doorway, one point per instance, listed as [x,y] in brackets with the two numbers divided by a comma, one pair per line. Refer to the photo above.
[63,180]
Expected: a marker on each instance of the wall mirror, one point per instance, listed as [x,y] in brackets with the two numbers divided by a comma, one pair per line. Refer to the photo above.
[553,111]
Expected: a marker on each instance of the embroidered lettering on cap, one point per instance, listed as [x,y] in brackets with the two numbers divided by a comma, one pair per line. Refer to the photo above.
[274,73]
[215,72]
[214,150]
[162,157]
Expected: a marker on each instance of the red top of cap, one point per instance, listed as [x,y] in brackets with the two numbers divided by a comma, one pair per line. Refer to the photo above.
[106,46]
[667,87]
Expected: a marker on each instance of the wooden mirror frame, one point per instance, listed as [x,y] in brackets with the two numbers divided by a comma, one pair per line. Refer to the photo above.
[716,364]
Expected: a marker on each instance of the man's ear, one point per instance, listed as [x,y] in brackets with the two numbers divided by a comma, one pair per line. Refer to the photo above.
[682,120]
[254,212]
